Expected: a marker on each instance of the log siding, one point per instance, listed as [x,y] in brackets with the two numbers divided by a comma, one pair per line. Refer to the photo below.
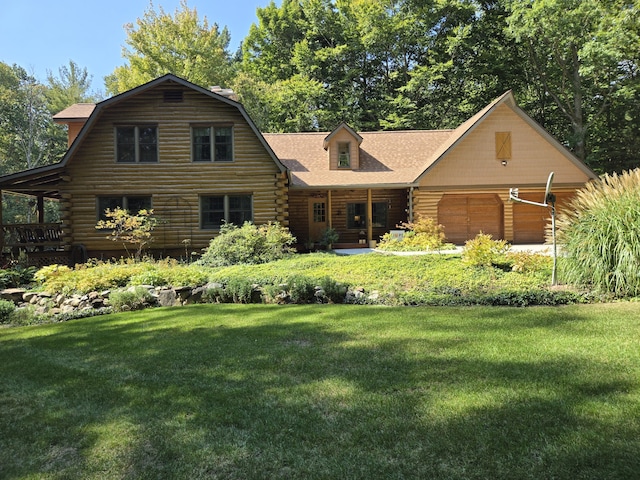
[175,182]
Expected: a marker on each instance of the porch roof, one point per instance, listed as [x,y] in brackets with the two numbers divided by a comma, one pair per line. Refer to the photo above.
[40,181]
[387,159]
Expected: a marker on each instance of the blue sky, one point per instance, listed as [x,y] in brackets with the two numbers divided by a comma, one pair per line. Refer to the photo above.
[43,35]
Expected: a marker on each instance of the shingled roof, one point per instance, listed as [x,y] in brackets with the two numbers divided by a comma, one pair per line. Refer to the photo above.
[76,112]
[386,158]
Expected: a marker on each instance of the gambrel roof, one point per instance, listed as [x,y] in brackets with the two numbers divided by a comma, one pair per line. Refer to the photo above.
[43,180]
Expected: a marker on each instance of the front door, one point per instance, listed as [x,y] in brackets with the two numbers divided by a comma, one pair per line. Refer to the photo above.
[317,218]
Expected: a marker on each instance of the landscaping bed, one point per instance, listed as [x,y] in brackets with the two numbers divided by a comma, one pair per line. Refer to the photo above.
[519,279]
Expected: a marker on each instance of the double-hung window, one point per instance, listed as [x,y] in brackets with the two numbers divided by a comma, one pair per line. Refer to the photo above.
[137,144]
[212,143]
[132,203]
[357,215]
[217,209]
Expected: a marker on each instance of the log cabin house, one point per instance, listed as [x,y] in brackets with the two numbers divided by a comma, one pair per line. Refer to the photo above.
[197,159]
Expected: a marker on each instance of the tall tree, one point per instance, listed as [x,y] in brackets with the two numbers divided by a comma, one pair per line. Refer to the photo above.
[72,85]
[181,44]
[28,136]
[584,54]
[388,63]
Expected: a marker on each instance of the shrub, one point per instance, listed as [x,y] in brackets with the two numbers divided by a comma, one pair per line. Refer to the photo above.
[214,295]
[328,238]
[239,290]
[422,235]
[599,234]
[50,272]
[483,251]
[133,298]
[17,276]
[249,244]
[6,309]
[526,262]
[334,292]
[302,289]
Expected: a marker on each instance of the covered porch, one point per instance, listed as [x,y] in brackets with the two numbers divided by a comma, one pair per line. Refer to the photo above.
[42,241]
[360,216]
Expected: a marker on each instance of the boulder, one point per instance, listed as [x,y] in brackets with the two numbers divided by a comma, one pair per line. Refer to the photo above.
[12,294]
[168,298]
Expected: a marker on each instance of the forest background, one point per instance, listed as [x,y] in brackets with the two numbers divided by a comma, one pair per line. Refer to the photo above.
[307,65]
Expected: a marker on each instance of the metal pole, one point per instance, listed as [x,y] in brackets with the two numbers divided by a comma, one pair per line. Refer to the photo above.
[554,274]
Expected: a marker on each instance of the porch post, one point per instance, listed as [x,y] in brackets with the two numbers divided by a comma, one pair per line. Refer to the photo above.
[410,219]
[369,218]
[1,225]
[329,208]
[40,209]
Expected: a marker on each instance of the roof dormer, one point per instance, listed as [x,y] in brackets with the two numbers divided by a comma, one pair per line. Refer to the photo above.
[343,145]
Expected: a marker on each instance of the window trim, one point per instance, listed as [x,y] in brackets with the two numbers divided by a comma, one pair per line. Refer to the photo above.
[374,214]
[212,142]
[136,134]
[124,200]
[226,208]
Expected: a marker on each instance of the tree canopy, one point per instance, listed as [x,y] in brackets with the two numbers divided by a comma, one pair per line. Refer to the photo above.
[308,65]
[181,44]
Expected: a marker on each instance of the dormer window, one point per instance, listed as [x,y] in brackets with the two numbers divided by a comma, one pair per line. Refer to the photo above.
[344,158]
[343,145]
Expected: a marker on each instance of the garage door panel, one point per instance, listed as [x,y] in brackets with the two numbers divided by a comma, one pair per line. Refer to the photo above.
[530,221]
[464,216]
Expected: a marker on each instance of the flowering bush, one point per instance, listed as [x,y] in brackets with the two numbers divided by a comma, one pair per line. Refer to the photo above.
[421,235]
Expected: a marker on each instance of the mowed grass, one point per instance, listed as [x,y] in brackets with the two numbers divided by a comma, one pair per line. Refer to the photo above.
[325,392]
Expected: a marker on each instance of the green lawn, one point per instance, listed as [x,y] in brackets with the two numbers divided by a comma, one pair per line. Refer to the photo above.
[325,392]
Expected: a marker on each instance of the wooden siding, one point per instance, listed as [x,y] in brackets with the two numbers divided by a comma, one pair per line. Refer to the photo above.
[472,163]
[299,217]
[175,183]
[73,131]
[530,221]
[521,223]
[474,167]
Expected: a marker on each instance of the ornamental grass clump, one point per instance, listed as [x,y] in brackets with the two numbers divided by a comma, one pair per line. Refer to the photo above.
[599,232]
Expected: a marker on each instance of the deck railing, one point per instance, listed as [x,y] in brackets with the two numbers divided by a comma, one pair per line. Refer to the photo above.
[32,236]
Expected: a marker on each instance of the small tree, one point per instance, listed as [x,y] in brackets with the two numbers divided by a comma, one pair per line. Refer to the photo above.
[127,228]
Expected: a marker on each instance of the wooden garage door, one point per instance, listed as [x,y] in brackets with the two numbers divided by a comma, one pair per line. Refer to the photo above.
[464,216]
[530,221]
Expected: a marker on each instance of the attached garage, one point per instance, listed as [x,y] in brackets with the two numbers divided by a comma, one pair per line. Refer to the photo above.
[464,216]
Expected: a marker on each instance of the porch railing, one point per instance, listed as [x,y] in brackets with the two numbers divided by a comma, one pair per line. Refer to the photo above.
[32,236]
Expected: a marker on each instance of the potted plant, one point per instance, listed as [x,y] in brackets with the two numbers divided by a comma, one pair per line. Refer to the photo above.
[328,238]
